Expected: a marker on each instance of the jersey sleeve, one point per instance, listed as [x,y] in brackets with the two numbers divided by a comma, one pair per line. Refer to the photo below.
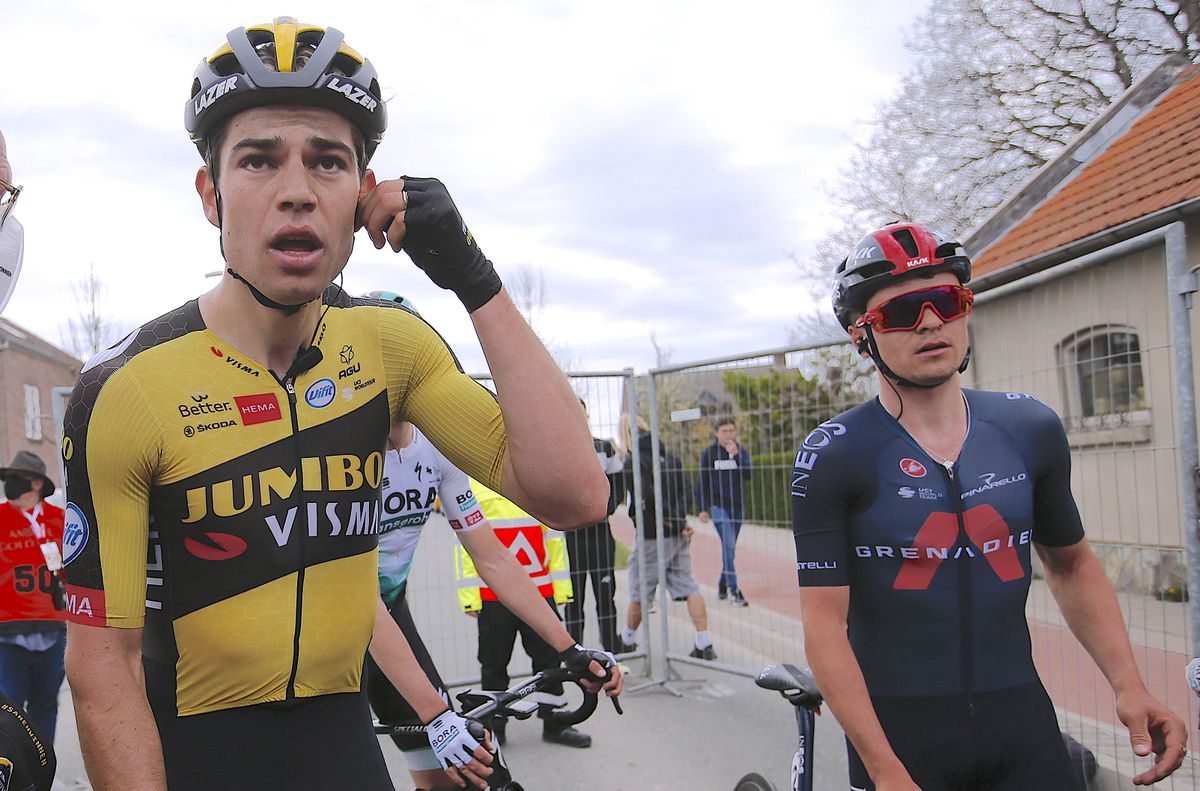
[111,448]
[820,512]
[1056,520]
[459,416]
[458,501]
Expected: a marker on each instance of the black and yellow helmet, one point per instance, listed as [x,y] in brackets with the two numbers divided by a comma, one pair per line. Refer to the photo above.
[285,62]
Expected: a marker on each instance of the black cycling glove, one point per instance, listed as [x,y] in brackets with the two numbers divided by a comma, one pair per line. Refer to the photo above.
[437,240]
[577,658]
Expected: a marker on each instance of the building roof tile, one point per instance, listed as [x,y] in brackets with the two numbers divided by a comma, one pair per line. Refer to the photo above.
[1153,166]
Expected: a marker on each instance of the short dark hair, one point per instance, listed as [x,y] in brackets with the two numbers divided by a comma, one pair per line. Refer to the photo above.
[725,421]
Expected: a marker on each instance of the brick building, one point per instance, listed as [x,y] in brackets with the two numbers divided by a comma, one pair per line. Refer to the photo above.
[30,370]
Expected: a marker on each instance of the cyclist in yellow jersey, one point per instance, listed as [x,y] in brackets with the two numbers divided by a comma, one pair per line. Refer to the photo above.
[224,460]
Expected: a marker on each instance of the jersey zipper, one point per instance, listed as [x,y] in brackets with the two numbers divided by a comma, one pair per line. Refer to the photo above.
[290,386]
[965,621]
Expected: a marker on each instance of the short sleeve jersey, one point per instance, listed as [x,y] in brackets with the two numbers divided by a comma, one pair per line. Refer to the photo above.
[414,477]
[937,559]
[236,517]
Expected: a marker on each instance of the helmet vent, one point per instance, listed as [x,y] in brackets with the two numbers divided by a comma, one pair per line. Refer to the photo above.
[874,269]
[905,238]
[948,250]
[344,65]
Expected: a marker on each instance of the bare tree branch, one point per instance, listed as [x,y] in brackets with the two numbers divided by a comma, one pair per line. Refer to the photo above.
[999,88]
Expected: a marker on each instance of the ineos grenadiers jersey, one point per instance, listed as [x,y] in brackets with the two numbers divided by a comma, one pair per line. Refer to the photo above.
[236,518]
[413,478]
[937,559]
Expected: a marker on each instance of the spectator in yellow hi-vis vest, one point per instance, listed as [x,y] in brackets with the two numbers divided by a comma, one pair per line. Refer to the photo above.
[542,552]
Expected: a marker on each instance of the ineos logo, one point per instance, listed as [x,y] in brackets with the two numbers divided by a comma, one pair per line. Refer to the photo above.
[822,435]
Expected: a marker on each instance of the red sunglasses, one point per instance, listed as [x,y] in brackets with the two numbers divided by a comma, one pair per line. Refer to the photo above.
[903,312]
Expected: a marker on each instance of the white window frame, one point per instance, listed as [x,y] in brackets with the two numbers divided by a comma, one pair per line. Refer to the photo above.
[1129,425]
[33,413]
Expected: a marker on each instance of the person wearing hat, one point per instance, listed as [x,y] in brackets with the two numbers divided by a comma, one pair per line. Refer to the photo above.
[33,635]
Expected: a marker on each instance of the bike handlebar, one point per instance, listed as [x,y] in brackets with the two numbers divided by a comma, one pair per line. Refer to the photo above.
[480,707]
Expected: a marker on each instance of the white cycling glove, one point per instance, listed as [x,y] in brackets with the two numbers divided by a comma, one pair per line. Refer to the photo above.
[450,740]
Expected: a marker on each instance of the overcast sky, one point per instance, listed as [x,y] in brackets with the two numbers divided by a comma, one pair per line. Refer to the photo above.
[656,160]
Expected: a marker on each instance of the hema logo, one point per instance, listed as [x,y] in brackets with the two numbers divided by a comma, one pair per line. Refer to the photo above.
[320,393]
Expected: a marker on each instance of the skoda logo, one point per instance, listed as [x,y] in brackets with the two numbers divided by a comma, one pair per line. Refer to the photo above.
[320,393]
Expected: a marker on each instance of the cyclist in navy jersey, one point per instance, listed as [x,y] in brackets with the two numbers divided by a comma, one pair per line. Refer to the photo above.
[415,474]
[914,516]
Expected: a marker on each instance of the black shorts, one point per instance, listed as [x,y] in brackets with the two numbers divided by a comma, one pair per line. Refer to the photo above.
[390,707]
[310,744]
[1012,743]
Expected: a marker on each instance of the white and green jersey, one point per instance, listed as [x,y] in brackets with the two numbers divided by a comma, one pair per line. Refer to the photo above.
[413,479]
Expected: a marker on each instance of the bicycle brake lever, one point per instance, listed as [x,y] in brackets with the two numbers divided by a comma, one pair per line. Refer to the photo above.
[617,704]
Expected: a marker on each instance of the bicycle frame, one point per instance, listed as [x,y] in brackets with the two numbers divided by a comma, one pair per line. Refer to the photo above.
[802,762]
[798,688]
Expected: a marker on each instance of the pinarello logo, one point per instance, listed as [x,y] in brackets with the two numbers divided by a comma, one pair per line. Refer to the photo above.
[912,468]
[216,351]
[215,546]
[260,408]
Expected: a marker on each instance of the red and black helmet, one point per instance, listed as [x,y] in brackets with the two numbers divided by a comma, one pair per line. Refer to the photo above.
[885,256]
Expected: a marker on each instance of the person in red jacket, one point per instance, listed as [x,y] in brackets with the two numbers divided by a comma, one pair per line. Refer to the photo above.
[32,633]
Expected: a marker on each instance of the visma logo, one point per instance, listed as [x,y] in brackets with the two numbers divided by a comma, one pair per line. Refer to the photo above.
[320,394]
[75,533]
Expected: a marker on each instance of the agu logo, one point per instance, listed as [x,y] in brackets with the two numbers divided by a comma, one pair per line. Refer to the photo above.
[75,533]
[320,393]
[912,468]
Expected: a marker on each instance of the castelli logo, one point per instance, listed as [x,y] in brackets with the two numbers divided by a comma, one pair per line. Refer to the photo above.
[216,351]
[912,468]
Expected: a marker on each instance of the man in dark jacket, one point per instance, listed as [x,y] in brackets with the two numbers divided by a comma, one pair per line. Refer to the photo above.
[724,467]
[676,544]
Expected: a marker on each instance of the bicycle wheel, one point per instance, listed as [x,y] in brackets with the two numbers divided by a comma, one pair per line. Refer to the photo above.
[754,782]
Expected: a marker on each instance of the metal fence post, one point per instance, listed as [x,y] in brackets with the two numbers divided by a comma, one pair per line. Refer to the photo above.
[1181,283]
[663,597]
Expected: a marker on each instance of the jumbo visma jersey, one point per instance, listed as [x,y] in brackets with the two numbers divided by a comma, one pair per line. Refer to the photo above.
[236,517]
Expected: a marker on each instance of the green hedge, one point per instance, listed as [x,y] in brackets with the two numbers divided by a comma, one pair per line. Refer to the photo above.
[768,492]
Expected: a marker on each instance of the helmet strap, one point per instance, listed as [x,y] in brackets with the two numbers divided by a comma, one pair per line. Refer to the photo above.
[892,376]
[264,300]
